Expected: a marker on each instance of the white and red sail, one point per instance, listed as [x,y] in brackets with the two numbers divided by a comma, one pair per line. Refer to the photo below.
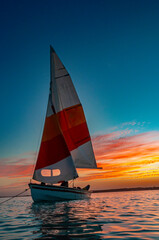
[54,162]
[66,143]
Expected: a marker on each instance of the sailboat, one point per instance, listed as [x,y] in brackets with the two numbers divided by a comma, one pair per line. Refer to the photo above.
[65,144]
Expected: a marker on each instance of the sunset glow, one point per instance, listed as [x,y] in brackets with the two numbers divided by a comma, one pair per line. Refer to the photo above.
[126,162]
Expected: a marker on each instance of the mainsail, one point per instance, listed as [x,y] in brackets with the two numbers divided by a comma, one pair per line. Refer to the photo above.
[70,115]
[66,143]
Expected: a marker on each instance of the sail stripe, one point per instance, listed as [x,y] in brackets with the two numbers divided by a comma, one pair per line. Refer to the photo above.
[71,117]
[62,76]
[51,128]
[52,152]
[76,136]
[74,127]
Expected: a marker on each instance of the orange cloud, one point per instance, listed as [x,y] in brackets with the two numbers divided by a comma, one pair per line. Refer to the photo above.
[15,167]
[126,158]
[15,171]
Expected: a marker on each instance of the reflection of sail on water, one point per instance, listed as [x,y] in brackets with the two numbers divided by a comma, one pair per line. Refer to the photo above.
[67,221]
[65,136]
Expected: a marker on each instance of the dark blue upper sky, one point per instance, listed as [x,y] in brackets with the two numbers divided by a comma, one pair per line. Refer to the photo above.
[110,48]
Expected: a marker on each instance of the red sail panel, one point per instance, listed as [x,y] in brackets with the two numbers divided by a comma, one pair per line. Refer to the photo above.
[74,127]
[53,147]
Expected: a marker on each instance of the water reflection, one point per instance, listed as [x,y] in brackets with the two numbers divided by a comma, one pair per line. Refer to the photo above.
[118,215]
[71,220]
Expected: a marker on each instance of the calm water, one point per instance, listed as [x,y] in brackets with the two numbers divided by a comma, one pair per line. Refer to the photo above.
[120,215]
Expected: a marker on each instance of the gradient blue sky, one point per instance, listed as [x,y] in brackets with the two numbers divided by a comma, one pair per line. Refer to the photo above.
[110,48]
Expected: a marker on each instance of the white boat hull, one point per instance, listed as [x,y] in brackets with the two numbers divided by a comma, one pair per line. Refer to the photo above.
[56,193]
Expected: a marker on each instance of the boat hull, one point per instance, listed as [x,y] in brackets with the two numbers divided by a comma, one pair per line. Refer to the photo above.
[56,193]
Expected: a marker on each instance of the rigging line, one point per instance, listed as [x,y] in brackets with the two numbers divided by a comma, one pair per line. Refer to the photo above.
[37,147]
[71,182]
[15,196]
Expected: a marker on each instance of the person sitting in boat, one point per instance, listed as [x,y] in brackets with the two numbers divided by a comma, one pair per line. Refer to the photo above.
[64,184]
[87,187]
[42,183]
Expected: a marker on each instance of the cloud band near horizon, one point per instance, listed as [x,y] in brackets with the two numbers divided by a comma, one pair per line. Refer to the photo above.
[122,158]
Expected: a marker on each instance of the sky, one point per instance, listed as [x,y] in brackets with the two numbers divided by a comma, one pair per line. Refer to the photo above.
[110,49]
